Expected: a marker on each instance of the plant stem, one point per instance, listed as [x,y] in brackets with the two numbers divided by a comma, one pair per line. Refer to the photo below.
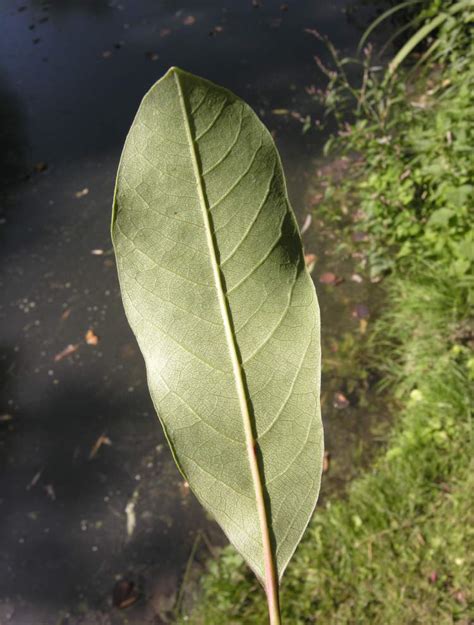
[273,602]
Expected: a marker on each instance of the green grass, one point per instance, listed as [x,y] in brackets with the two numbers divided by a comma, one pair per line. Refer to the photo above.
[398,549]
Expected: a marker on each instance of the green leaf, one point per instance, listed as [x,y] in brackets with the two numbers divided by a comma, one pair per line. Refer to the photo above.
[215,288]
[441,217]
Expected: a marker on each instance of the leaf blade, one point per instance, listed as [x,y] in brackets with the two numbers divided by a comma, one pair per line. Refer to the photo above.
[177,296]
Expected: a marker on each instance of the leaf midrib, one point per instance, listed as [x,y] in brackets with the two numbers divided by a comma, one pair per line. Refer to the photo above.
[269,561]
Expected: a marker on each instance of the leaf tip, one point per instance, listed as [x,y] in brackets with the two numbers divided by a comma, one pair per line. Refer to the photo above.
[174,70]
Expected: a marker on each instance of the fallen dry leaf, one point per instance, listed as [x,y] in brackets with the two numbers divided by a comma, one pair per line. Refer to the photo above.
[460,597]
[357,278]
[307,223]
[184,489]
[124,594]
[340,401]
[189,20]
[316,198]
[102,440]
[330,278]
[310,261]
[81,193]
[34,480]
[91,338]
[66,314]
[67,351]
[326,461]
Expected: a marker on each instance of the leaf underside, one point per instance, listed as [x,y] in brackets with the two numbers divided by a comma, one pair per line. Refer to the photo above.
[215,289]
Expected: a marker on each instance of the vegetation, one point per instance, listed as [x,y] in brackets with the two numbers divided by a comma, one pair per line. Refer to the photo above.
[413,178]
[399,548]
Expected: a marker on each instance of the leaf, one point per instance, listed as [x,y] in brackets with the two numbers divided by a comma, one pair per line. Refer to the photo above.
[91,337]
[216,291]
[125,594]
[441,217]
[67,351]
[310,261]
[329,277]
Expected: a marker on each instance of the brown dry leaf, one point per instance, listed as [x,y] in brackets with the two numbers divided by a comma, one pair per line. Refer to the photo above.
[184,489]
[329,277]
[82,192]
[66,314]
[326,461]
[189,20]
[125,594]
[316,198]
[460,597]
[102,440]
[310,261]
[340,401]
[91,338]
[67,351]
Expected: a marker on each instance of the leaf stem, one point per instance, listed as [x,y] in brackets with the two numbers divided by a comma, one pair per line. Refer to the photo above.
[273,602]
